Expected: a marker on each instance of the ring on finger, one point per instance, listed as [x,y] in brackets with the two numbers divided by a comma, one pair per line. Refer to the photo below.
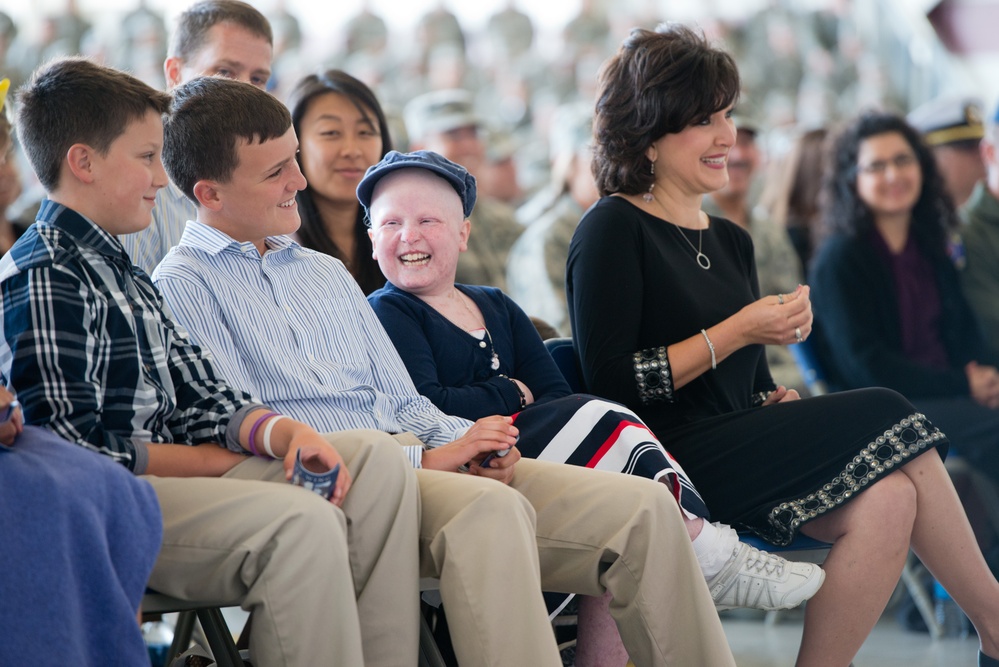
[797,334]
[780,299]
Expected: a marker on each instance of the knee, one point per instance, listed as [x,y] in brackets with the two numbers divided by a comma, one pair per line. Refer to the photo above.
[495,505]
[372,448]
[893,495]
[309,520]
[890,402]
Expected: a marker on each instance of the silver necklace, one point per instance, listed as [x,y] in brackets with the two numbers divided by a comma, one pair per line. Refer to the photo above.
[495,361]
[702,260]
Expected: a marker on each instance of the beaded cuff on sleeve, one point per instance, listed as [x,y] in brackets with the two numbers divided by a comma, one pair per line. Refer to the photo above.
[652,373]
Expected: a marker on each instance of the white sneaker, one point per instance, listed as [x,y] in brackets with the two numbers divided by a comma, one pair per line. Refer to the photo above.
[760,580]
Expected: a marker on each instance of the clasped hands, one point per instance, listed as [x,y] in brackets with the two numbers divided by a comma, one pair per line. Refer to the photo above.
[778,320]
[486,435]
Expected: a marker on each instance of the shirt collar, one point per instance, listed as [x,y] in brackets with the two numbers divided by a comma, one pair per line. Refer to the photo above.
[81,228]
[212,241]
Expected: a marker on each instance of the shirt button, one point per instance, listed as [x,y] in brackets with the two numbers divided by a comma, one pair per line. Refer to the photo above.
[482,344]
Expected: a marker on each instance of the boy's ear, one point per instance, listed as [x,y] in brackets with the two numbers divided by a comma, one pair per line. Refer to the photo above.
[80,160]
[374,248]
[171,70]
[464,231]
[207,195]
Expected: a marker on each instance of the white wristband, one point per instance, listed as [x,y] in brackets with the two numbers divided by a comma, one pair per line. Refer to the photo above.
[267,435]
[711,347]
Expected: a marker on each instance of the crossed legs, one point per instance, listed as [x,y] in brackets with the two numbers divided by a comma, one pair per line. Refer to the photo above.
[871,537]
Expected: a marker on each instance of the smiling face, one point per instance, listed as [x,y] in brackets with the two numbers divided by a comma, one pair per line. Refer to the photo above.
[339,143]
[229,50]
[417,231]
[128,177]
[889,179]
[692,162]
[259,200]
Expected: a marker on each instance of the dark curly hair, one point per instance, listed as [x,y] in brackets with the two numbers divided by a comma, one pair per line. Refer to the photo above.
[659,82]
[312,233]
[844,212]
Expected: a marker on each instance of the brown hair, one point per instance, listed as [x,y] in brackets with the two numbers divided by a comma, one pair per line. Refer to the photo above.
[76,101]
[195,22]
[659,82]
[209,116]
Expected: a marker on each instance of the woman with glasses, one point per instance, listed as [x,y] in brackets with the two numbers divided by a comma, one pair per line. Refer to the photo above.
[888,307]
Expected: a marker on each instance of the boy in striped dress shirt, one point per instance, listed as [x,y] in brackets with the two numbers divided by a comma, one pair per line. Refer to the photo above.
[296,330]
[98,360]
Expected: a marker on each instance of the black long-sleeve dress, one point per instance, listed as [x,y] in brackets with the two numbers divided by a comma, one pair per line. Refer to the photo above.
[634,288]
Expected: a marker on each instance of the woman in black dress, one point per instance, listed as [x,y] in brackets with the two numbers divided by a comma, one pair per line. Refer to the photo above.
[667,319]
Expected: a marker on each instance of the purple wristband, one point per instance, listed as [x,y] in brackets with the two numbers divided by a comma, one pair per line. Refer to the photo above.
[253,431]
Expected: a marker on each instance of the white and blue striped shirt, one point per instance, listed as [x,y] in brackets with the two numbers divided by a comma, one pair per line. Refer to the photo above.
[294,329]
[147,248]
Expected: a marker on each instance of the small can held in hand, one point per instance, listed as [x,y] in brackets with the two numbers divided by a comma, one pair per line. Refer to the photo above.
[317,482]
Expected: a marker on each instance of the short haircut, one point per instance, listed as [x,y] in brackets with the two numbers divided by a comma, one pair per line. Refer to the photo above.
[194,23]
[659,82]
[76,101]
[208,118]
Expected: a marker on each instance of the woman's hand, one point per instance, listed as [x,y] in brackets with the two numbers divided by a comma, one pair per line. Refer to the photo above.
[782,395]
[13,426]
[983,384]
[768,321]
[487,435]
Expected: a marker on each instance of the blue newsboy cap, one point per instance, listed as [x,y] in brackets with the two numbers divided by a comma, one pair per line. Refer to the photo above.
[459,178]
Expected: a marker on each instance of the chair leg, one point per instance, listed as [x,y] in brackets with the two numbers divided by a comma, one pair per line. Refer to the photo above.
[219,638]
[182,634]
[923,602]
[430,655]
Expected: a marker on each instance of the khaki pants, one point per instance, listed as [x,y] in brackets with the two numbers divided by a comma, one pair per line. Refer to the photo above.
[569,529]
[326,586]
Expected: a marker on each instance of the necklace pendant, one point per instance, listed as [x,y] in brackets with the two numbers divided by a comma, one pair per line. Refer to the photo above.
[495,364]
[703,261]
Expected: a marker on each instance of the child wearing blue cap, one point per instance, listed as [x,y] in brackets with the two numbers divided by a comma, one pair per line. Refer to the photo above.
[293,326]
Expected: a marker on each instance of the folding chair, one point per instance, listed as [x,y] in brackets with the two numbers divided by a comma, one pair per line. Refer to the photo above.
[219,637]
[216,631]
[565,358]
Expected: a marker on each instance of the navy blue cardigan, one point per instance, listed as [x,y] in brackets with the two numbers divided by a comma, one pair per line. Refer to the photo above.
[448,365]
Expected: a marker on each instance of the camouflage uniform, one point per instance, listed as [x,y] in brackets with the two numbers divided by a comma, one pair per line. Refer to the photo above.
[536,268]
[494,229]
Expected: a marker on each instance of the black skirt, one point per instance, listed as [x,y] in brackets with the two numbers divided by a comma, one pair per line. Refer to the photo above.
[772,469]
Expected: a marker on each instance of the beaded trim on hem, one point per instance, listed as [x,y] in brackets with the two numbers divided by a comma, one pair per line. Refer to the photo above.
[903,441]
[652,373]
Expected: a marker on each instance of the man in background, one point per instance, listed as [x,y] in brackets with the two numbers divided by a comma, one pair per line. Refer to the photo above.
[224,37]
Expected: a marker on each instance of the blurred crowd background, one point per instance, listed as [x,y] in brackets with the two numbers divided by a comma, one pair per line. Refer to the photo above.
[805,64]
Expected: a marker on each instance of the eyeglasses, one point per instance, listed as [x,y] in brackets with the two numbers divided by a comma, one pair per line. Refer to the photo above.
[878,167]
